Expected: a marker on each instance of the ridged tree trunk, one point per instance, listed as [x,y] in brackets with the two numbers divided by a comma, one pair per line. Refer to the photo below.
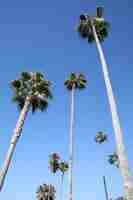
[16,135]
[124,167]
[71,147]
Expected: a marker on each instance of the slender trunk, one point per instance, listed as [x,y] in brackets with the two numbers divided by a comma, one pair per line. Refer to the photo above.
[61,189]
[71,150]
[124,167]
[105,188]
[13,142]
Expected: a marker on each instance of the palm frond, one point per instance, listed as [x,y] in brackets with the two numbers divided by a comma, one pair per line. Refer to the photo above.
[43,89]
[72,77]
[82,17]
[81,81]
[25,76]
[34,104]
[19,100]
[91,38]
[39,76]
[43,105]
[16,84]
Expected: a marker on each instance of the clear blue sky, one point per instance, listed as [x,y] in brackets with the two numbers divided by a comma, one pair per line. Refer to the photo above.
[40,36]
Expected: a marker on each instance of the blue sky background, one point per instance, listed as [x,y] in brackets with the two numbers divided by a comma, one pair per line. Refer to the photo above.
[40,36]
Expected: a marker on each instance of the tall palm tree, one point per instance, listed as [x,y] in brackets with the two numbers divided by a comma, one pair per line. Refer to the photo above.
[46,192]
[31,91]
[74,82]
[96,29]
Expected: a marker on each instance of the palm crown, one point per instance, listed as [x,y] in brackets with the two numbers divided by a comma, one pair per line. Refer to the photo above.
[46,192]
[101,137]
[54,162]
[63,167]
[75,81]
[34,86]
[85,26]
[113,159]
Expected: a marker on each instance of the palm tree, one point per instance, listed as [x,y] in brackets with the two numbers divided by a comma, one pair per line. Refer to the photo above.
[31,91]
[100,137]
[57,165]
[63,166]
[96,29]
[113,159]
[54,162]
[74,82]
[46,192]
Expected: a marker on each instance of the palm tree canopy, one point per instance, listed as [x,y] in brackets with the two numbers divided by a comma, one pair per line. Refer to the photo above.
[34,86]
[101,137]
[85,26]
[113,159]
[46,192]
[76,81]
[63,167]
[54,162]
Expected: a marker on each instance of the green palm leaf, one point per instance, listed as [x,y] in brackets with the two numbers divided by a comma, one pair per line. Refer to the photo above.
[26,76]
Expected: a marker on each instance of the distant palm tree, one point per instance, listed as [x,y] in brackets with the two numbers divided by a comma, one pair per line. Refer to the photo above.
[63,166]
[31,91]
[72,83]
[54,162]
[46,192]
[100,137]
[57,165]
[113,159]
[96,29]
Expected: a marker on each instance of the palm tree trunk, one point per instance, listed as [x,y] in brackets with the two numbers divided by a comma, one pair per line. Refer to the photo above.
[71,150]
[105,188]
[13,142]
[61,188]
[124,166]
